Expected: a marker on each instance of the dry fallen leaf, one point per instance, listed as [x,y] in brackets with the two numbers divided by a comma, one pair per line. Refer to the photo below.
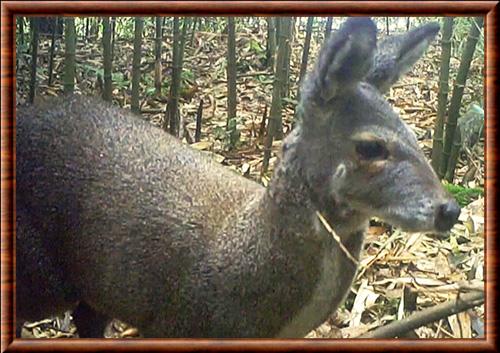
[202,145]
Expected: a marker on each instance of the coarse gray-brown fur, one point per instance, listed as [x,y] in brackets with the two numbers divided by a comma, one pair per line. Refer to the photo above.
[114,213]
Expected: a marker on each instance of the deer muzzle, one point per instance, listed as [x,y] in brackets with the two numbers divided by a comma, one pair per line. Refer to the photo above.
[446,215]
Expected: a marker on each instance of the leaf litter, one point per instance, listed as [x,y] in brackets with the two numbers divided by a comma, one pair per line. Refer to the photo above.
[434,267]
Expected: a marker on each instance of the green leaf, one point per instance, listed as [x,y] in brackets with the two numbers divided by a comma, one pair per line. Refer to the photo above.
[463,195]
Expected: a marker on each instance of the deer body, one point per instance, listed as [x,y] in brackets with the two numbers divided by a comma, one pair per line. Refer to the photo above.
[137,264]
[140,227]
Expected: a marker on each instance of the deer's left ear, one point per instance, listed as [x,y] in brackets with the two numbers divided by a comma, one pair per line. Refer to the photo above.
[346,58]
[396,55]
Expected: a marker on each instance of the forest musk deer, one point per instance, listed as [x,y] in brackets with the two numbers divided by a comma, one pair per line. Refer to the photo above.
[119,217]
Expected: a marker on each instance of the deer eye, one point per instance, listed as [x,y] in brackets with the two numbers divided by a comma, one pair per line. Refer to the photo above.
[370,150]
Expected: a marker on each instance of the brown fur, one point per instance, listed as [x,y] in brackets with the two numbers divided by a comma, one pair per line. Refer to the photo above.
[119,215]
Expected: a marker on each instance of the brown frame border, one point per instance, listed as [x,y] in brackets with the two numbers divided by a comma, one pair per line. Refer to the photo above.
[455,8]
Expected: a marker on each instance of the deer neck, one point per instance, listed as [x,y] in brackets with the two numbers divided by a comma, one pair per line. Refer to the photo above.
[329,272]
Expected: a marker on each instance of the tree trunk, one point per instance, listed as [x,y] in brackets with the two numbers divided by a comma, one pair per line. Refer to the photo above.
[285,40]
[279,79]
[34,58]
[458,90]
[179,41]
[287,61]
[158,42]
[271,42]
[199,116]
[136,65]
[113,33]
[195,23]
[171,118]
[52,50]
[185,26]
[444,73]
[231,71]
[87,20]
[305,54]
[328,28]
[20,21]
[107,93]
[69,55]
[454,154]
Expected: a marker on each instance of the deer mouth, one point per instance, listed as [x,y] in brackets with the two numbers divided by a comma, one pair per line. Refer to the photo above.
[438,219]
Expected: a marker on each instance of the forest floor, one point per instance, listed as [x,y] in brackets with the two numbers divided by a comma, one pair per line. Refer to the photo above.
[399,272]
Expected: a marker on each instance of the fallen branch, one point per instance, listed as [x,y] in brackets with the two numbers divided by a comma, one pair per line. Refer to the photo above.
[398,328]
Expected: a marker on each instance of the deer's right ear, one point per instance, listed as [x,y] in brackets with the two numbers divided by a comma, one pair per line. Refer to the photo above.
[346,58]
[396,55]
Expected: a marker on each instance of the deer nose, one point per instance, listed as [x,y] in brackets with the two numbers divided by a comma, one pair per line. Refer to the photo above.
[447,215]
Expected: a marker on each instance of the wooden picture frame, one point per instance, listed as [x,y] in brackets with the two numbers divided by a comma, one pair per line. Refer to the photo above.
[488,9]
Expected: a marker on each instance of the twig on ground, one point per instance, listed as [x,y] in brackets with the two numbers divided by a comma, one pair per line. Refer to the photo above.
[397,328]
